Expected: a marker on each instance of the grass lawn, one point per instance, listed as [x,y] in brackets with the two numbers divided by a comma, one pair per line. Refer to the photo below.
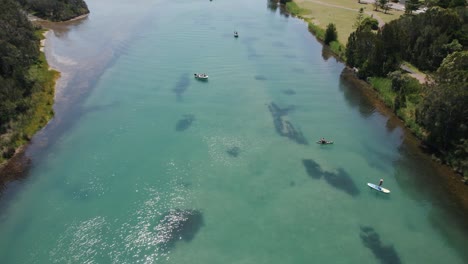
[342,13]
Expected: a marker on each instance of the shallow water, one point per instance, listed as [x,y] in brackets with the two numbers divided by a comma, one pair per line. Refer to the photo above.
[145,164]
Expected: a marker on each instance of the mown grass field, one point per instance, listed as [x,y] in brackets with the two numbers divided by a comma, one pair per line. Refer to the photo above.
[342,13]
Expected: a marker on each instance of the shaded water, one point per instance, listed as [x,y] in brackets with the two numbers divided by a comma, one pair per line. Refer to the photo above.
[144,164]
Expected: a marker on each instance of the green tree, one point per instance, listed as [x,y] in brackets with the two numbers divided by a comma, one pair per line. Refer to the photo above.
[56,10]
[411,5]
[384,5]
[331,34]
[359,18]
[443,111]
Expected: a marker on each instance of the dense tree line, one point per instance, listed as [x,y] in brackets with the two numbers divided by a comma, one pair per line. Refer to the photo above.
[55,10]
[424,40]
[19,49]
[434,41]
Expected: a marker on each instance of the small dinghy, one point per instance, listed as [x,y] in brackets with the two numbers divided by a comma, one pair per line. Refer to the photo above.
[324,142]
[200,76]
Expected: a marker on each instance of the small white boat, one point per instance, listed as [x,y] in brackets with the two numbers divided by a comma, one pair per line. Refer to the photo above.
[200,76]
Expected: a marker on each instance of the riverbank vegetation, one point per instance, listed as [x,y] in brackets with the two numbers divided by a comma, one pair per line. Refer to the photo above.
[26,83]
[55,10]
[436,42]
[331,40]
[389,55]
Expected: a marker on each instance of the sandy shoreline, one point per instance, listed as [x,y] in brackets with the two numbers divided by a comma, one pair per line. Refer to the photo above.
[33,18]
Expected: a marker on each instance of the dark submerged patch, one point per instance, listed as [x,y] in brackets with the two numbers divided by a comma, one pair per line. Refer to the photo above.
[283,126]
[371,240]
[290,56]
[298,70]
[278,44]
[340,180]
[260,78]
[312,168]
[289,92]
[233,152]
[182,85]
[178,225]
[185,122]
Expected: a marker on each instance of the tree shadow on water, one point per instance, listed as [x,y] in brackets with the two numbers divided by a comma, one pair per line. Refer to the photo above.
[272,5]
[340,180]
[371,240]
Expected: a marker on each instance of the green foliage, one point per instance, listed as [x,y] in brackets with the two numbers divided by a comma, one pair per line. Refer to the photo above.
[424,40]
[448,3]
[26,83]
[371,23]
[384,5]
[384,87]
[338,49]
[294,9]
[317,31]
[411,5]
[56,10]
[359,19]
[330,34]
[443,110]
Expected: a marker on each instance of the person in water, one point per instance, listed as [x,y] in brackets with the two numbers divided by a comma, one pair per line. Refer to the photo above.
[380,182]
[323,141]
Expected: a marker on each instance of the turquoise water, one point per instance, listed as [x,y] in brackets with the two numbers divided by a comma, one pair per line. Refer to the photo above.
[145,164]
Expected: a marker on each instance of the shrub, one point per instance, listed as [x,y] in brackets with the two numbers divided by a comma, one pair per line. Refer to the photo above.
[330,34]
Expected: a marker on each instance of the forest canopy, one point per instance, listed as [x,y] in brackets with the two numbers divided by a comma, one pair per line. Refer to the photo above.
[26,83]
[55,10]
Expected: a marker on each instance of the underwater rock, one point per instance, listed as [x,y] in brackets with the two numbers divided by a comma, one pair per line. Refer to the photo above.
[185,122]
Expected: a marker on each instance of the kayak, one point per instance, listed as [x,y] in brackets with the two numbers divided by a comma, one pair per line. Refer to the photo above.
[378,188]
[324,143]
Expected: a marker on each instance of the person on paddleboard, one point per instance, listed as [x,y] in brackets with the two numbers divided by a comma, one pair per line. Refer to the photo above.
[380,182]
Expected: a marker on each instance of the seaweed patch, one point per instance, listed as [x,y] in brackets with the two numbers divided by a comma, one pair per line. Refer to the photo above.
[260,78]
[182,85]
[278,44]
[371,240]
[283,126]
[233,152]
[185,122]
[340,180]
[289,92]
[178,225]
[312,168]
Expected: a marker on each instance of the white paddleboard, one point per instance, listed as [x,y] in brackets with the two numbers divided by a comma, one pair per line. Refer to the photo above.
[378,188]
